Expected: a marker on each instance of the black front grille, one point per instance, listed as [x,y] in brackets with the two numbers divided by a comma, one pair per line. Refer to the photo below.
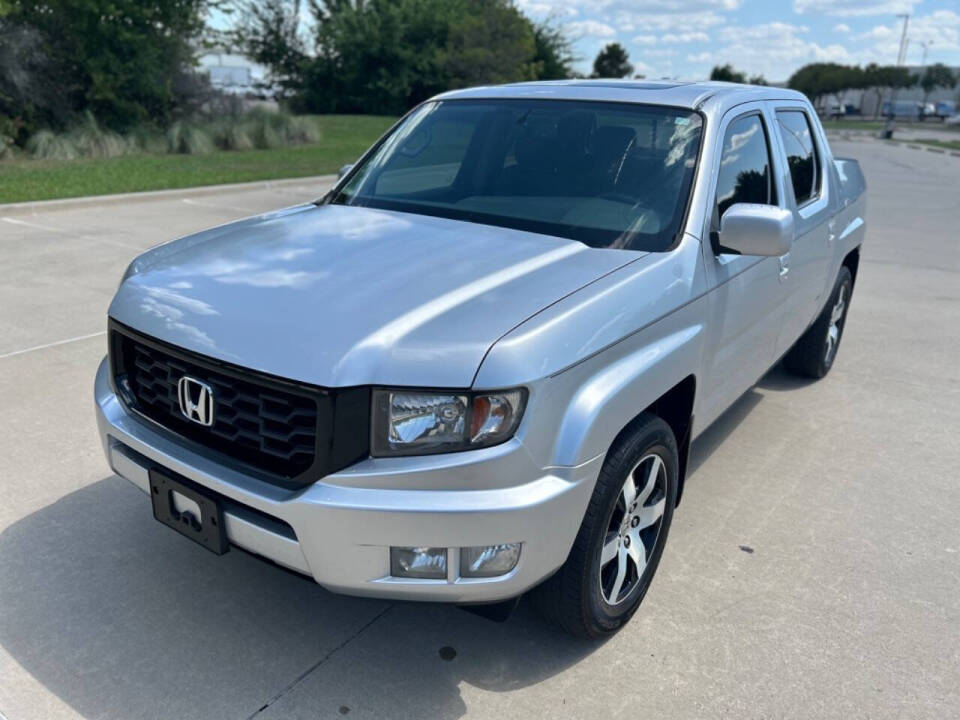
[280,428]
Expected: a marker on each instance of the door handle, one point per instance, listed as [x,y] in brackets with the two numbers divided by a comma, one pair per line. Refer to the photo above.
[784,269]
[831,235]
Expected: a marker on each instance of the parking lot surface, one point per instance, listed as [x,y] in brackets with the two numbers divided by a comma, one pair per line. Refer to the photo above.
[813,568]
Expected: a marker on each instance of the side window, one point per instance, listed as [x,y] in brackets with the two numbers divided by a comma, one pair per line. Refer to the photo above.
[794,127]
[745,171]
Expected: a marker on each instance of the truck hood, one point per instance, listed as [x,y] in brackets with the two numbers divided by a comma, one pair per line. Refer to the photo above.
[339,296]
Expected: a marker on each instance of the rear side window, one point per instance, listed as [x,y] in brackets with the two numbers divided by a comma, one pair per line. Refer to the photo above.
[745,174]
[802,158]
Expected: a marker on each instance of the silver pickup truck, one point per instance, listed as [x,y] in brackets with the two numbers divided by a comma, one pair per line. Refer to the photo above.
[474,368]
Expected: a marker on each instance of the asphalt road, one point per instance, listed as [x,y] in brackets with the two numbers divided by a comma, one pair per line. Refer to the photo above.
[813,568]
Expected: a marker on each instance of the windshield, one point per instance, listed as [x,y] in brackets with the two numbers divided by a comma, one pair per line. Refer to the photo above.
[611,175]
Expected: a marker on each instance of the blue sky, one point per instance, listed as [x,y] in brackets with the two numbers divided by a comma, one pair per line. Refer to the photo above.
[685,38]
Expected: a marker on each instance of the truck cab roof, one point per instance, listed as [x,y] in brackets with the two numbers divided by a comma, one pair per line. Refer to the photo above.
[712,97]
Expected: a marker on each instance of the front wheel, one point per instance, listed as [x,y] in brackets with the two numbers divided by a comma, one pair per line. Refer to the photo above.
[621,539]
[814,353]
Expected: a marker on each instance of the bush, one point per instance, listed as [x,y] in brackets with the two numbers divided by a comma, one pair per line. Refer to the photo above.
[148,140]
[231,134]
[8,135]
[92,141]
[47,145]
[188,139]
[260,129]
[303,130]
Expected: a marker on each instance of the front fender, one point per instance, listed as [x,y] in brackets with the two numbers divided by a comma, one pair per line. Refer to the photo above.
[598,357]
[614,395]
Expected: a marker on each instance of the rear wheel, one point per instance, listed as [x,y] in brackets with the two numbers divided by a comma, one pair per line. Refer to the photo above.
[621,539]
[814,353]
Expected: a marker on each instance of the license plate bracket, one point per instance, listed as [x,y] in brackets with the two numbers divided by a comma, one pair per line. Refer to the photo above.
[208,530]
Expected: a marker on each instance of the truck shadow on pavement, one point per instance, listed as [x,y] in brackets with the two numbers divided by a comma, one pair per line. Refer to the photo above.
[119,618]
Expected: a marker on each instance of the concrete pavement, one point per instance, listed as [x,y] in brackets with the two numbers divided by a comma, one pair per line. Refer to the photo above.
[813,568]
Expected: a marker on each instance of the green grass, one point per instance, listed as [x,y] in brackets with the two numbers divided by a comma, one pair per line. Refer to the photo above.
[877,125]
[861,125]
[945,144]
[344,138]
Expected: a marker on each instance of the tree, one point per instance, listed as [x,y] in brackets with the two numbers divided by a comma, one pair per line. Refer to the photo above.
[817,80]
[554,56]
[612,62]
[936,76]
[268,32]
[758,80]
[886,77]
[126,61]
[726,73]
[383,56]
[491,44]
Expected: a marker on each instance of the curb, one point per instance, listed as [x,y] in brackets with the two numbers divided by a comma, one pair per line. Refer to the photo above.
[911,144]
[37,206]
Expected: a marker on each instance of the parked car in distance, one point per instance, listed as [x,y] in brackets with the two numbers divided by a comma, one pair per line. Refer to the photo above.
[946,109]
[902,109]
[475,367]
[835,111]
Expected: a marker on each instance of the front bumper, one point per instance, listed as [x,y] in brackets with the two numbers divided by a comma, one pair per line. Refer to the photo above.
[339,530]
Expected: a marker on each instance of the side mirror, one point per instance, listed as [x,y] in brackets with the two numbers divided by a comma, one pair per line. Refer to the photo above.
[344,170]
[756,230]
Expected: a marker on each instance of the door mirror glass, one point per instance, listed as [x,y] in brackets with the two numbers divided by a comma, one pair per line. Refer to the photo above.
[751,229]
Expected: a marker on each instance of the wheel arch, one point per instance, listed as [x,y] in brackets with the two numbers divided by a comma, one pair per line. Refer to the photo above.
[655,375]
[675,407]
[851,261]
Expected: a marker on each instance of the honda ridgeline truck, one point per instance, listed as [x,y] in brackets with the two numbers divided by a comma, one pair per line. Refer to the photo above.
[474,368]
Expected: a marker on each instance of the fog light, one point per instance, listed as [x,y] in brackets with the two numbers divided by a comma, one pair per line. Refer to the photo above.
[418,562]
[489,560]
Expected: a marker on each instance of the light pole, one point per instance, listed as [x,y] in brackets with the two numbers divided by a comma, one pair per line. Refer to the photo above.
[926,45]
[902,55]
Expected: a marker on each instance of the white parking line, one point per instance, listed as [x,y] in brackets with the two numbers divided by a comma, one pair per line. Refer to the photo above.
[51,228]
[50,345]
[215,206]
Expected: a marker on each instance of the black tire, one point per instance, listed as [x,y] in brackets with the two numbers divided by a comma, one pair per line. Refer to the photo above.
[576,596]
[812,356]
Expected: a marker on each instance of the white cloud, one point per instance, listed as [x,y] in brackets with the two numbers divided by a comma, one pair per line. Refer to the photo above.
[700,57]
[853,8]
[589,28]
[686,37]
[942,28]
[880,32]
[881,44]
[634,21]
[642,68]
[773,49]
[645,40]
[538,9]
[659,52]
[841,28]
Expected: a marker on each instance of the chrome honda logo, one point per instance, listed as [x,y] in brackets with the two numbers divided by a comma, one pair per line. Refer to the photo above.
[196,400]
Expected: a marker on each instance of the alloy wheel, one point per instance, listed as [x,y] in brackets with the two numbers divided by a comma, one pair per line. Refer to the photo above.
[633,529]
[836,325]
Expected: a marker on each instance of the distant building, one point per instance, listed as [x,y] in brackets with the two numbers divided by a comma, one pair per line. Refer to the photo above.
[234,74]
[867,102]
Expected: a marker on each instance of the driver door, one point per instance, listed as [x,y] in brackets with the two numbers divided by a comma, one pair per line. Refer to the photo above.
[747,295]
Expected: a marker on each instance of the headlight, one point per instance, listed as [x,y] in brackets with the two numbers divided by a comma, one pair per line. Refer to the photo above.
[414,422]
